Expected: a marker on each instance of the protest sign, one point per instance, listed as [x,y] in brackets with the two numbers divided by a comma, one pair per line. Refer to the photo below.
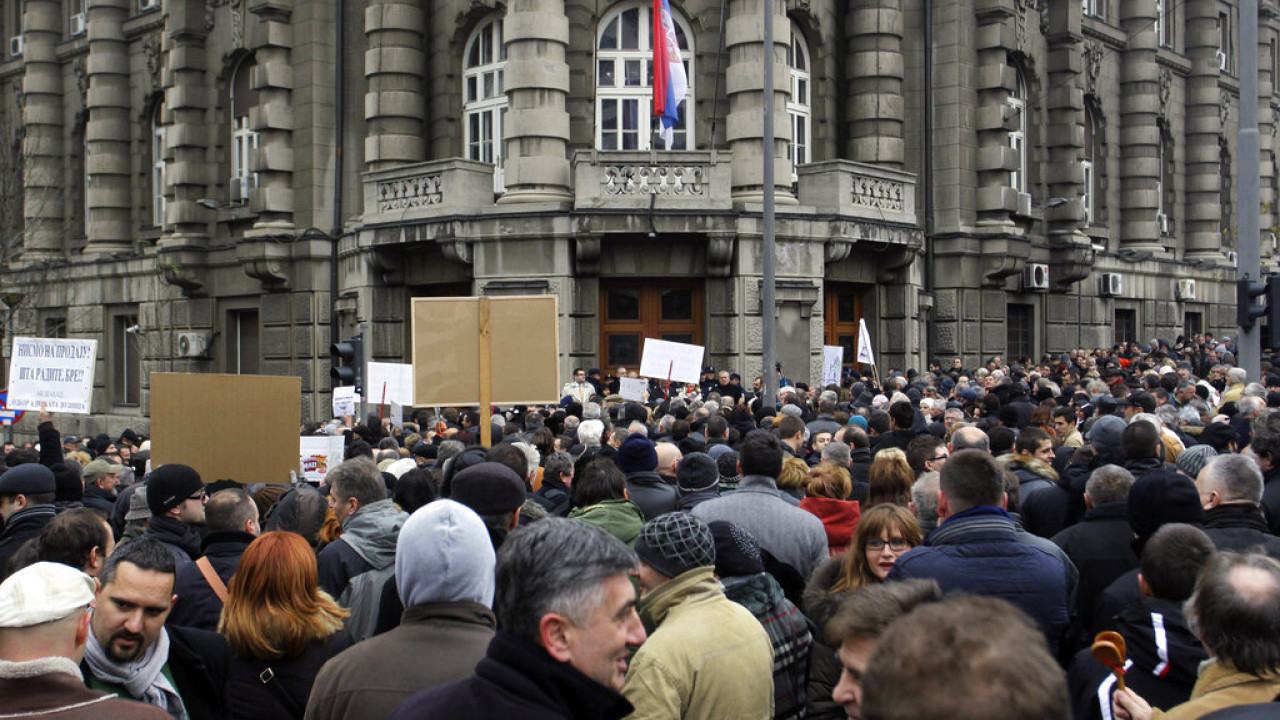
[396,379]
[832,363]
[237,427]
[344,401]
[865,354]
[665,360]
[632,388]
[397,414]
[320,454]
[56,372]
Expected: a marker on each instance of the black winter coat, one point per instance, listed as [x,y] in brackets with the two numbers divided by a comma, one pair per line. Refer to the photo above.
[197,605]
[21,527]
[249,699]
[1100,547]
[654,495]
[1240,528]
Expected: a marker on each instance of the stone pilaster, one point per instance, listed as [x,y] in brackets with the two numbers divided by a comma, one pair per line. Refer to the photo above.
[876,103]
[1266,125]
[1139,132]
[42,146]
[536,33]
[394,67]
[1069,249]
[110,226]
[744,85]
[272,119]
[1202,218]
[996,80]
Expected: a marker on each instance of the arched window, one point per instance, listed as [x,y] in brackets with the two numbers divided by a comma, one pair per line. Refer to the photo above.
[1090,155]
[484,97]
[624,81]
[243,140]
[798,102]
[158,183]
[1018,134]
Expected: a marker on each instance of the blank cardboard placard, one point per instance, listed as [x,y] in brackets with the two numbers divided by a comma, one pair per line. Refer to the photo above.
[241,427]
[524,350]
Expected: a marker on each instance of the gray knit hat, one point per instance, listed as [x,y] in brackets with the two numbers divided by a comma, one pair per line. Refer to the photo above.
[697,471]
[675,543]
[1192,460]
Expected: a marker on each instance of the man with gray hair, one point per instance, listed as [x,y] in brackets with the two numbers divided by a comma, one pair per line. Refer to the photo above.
[826,420]
[557,476]
[566,609]
[1230,488]
[370,526]
[1099,545]
[924,501]
[838,453]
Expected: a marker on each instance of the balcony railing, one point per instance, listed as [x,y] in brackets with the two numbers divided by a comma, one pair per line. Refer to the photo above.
[690,180]
[426,190]
[853,189]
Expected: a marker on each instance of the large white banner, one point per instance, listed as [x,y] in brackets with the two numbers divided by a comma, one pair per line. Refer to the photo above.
[665,360]
[319,455]
[58,373]
[395,378]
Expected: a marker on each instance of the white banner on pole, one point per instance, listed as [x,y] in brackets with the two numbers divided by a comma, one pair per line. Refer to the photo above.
[344,401]
[320,454]
[832,363]
[665,360]
[56,372]
[632,388]
[865,355]
[395,378]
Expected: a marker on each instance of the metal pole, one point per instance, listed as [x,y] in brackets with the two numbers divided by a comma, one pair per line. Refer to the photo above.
[768,302]
[1247,178]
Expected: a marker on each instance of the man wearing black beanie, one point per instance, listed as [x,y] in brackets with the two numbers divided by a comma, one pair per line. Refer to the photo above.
[176,498]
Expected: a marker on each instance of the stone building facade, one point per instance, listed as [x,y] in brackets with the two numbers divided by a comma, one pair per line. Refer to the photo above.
[231,185]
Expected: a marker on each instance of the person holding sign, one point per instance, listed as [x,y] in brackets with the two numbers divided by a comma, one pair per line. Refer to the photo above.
[580,390]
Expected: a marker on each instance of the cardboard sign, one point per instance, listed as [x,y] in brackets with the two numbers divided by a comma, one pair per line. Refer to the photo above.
[665,360]
[58,373]
[238,427]
[389,382]
[520,363]
[319,454]
[344,401]
[632,388]
[832,362]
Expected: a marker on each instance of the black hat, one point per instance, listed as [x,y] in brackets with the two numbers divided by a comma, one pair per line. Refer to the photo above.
[708,369]
[28,479]
[697,471]
[675,543]
[426,450]
[489,488]
[636,454]
[1161,499]
[169,485]
[737,551]
[1143,400]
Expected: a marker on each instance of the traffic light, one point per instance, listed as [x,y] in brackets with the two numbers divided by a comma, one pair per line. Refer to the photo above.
[348,362]
[1247,309]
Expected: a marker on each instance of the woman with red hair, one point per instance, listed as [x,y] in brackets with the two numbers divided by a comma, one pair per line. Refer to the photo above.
[281,626]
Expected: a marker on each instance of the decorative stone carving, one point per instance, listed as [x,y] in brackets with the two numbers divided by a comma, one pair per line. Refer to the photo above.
[719,254]
[879,194]
[586,254]
[410,192]
[1093,54]
[1224,107]
[153,49]
[1166,85]
[79,69]
[653,180]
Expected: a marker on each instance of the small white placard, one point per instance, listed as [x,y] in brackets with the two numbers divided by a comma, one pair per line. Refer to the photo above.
[395,378]
[665,360]
[397,414]
[632,388]
[320,454]
[344,401]
[56,372]
[832,362]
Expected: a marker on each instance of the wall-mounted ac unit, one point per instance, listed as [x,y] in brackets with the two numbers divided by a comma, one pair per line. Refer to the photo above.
[242,186]
[1035,277]
[1186,289]
[145,5]
[79,24]
[193,344]
[16,46]
[1111,284]
[1232,257]
[1222,60]
[1166,227]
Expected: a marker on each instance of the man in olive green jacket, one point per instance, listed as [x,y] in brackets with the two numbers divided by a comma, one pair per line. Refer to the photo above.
[709,656]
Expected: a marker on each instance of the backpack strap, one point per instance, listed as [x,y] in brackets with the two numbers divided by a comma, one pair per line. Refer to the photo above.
[268,679]
[211,577]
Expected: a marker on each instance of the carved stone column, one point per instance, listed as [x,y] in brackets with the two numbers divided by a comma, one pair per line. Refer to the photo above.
[394,67]
[996,80]
[874,30]
[1202,219]
[42,147]
[1069,249]
[1139,133]
[110,225]
[537,125]
[272,119]
[744,84]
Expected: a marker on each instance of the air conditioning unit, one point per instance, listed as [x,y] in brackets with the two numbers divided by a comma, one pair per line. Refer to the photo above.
[1166,227]
[1222,60]
[145,5]
[79,24]
[193,344]
[242,186]
[1111,284]
[1232,257]
[16,46]
[1035,277]
[1186,289]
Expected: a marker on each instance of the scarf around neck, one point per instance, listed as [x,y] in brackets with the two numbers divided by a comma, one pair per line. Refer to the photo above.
[143,678]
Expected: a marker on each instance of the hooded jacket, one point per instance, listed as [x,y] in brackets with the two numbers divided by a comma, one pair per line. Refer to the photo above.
[839,518]
[1033,474]
[1164,659]
[620,518]
[709,656]
[368,542]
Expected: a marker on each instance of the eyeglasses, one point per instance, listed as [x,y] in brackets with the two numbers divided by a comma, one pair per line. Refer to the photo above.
[939,458]
[198,497]
[895,544]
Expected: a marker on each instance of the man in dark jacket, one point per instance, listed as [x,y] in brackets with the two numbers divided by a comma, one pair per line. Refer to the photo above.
[557,475]
[544,664]
[232,519]
[859,462]
[176,498]
[1164,656]
[1230,490]
[444,574]
[976,549]
[1032,462]
[26,504]
[1142,451]
[902,416]
[638,458]
[132,654]
[101,478]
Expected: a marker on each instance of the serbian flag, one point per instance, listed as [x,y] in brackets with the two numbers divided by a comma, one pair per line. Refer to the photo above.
[669,81]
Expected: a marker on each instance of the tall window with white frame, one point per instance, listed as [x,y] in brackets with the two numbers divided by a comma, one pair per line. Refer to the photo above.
[1018,133]
[1090,151]
[126,360]
[1226,43]
[624,81]
[798,102]
[158,168]
[485,98]
[1093,8]
[1165,185]
[244,141]
[1165,13]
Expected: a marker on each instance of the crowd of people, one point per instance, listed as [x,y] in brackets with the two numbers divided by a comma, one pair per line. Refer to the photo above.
[941,544]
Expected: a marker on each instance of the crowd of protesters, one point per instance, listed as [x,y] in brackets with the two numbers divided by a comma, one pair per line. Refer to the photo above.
[937,544]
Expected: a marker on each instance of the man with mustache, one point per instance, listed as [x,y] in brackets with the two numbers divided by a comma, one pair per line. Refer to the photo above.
[132,654]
